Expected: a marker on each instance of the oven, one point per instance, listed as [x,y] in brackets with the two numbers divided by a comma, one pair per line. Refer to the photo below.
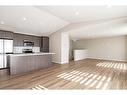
[28,43]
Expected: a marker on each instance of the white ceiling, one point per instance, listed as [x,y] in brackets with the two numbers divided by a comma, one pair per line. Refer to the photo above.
[79,21]
[96,30]
[91,21]
[38,22]
[85,13]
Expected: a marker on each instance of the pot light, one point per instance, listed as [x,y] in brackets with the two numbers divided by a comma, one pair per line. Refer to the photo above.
[1,22]
[109,6]
[76,13]
[24,19]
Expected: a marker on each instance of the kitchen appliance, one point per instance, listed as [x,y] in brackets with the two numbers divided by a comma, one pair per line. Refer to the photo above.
[27,51]
[28,43]
[6,47]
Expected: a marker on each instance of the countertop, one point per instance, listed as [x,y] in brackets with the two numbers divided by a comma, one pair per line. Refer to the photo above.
[29,54]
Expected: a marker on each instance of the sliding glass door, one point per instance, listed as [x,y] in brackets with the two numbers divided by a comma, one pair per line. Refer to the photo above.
[6,47]
[1,53]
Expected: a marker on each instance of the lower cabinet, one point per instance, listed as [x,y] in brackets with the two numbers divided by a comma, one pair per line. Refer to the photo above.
[24,64]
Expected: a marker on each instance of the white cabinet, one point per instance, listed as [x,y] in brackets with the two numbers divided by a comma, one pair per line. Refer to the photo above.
[80,55]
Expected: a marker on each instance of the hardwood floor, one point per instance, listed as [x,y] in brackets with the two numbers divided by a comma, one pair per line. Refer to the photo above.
[85,74]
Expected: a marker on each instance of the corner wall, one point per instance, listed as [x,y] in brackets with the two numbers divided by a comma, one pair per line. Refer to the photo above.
[54,46]
[59,44]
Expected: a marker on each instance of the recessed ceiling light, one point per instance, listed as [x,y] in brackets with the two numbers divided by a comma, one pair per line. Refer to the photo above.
[76,13]
[1,22]
[109,6]
[24,18]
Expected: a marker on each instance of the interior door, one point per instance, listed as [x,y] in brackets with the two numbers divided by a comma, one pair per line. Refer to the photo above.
[1,53]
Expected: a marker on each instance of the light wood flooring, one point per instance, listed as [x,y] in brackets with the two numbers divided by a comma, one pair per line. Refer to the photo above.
[89,74]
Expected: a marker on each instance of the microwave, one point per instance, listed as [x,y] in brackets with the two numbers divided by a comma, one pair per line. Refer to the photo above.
[28,43]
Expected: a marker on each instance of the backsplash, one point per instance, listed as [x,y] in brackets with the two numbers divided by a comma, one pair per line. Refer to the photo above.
[18,49]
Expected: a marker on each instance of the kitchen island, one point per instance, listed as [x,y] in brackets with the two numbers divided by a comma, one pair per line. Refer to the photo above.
[23,63]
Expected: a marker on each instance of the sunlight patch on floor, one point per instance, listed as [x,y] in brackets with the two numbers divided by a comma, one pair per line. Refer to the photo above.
[39,87]
[86,79]
[114,65]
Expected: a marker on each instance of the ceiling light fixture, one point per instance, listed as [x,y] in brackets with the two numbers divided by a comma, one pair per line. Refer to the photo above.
[109,6]
[1,22]
[76,13]
[24,18]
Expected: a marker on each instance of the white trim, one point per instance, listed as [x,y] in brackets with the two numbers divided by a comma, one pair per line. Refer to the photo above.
[56,62]
[106,59]
[60,62]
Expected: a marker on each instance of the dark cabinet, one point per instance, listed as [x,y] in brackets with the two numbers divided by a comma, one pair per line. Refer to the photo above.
[44,44]
[6,34]
[37,41]
[1,34]
[18,39]
[27,38]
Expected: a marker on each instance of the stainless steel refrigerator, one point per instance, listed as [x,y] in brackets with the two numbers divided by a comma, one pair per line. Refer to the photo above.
[6,47]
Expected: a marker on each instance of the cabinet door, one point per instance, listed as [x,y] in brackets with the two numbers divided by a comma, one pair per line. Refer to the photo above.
[18,39]
[8,35]
[42,61]
[1,34]
[28,38]
[19,64]
[36,41]
[45,44]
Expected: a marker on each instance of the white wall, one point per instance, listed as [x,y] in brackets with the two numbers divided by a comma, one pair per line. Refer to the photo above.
[55,46]
[71,50]
[64,48]
[111,48]
[59,44]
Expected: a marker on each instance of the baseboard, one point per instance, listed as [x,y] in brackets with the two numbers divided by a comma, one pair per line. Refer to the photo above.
[59,62]
[56,62]
[105,59]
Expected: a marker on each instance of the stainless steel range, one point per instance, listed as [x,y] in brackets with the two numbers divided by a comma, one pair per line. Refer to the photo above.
[27,51]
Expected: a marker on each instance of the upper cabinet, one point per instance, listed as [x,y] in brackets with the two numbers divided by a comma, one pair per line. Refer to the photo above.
[37,41]
[6,34]
[20,38]
[27,37]
[1,34]
[44,44]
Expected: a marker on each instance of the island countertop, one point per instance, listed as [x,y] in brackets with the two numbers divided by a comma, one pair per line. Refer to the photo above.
[29,54]
[26,62]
